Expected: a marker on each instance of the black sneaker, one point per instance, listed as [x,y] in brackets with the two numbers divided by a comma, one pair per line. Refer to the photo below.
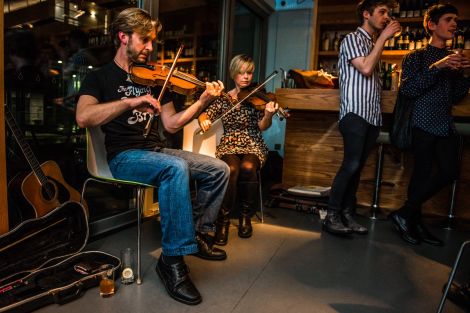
[177,283]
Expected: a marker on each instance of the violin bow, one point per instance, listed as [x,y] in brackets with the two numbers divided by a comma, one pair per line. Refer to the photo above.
[162,91]
[273,74]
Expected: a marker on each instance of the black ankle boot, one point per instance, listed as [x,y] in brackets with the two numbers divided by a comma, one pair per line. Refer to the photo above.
[334,225]
[347,216]
[221,227]
[245,230]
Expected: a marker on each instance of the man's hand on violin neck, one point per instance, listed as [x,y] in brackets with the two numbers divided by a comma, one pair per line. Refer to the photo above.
[215,88]
[145,103]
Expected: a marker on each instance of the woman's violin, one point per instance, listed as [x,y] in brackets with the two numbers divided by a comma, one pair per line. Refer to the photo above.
[260,98]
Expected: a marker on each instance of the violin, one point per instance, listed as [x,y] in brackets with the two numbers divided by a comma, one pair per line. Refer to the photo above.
[260,98]
[153,74]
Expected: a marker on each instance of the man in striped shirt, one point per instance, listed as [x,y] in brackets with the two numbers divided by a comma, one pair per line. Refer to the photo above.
[360,116]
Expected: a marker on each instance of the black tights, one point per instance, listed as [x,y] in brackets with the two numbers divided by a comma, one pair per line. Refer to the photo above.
[243,179]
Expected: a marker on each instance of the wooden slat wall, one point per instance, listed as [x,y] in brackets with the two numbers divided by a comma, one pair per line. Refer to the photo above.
[314,151]
[3,170]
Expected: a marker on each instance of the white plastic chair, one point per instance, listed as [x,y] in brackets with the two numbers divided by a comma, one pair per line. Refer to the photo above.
[206,143]
[98,168]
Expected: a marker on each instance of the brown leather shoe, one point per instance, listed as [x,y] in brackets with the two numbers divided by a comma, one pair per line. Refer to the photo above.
[334,225]
[347,216]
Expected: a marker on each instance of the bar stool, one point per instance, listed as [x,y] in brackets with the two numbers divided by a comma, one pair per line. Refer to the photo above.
[450,222]
[375,213]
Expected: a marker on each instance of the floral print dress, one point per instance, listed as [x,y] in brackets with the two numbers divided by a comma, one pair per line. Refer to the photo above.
[241,131]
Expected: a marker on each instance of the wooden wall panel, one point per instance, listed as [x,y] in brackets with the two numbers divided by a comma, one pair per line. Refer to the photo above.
[314,151]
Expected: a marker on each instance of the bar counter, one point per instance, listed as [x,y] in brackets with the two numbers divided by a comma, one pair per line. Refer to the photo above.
[314,151]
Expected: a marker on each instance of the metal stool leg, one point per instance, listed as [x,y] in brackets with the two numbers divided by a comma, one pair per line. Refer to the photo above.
[260,190]
[374,212]
[140,202]
[451,277]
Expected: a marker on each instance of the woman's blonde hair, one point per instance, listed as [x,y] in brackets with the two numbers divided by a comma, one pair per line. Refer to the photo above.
[133,20]
[238,62]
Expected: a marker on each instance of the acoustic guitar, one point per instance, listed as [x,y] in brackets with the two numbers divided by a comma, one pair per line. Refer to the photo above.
[44,188]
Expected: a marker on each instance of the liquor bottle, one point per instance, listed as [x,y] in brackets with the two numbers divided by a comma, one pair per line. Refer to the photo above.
[424,7]
[406,39]
[336,42]
[417,8]
[391,43]
[467,39]
[396,10]
[404,8]
[326,42]
[412,43]
[418,40]
[424,39]
[383,70]
[411,8]
[459,39]
[399,43]
[394,78]
[388,77]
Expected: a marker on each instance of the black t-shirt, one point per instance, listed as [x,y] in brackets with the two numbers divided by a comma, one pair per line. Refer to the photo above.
[111,83]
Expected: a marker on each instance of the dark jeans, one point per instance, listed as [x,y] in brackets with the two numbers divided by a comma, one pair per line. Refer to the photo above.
[243,180]
[359,138]
[426,179]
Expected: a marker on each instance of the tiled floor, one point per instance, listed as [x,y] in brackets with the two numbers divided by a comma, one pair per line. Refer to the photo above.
[289,265]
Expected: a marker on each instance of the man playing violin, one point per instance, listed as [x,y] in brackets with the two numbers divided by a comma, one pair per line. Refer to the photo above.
[242,146]
[122,108]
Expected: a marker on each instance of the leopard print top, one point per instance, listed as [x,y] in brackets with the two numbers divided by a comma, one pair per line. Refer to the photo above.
[241,131]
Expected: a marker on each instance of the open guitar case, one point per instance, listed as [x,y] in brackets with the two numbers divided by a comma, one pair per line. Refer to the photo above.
[41,260]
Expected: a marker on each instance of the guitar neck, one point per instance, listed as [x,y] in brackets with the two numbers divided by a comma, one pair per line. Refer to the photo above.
[25,147]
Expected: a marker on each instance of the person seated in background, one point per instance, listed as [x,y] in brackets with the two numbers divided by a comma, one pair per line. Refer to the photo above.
[242,147]
[434,78]
[122,108]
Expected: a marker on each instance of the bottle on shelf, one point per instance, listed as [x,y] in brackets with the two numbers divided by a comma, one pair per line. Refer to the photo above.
[411,8]
[326,42]
[394,78]
[417,8]
[459,39]
[336,42]
[412,43]
[467,39]
[399,42]
[418,40]
[404,8]
[424,7]
[424,38]
[388,77]
[396,9]
[405,45]
[391,43]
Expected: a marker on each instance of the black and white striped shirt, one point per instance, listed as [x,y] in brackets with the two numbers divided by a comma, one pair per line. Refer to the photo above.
[359,94]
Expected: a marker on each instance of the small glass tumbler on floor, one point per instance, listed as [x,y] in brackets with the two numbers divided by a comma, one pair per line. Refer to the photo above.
[107,283]
[127,265]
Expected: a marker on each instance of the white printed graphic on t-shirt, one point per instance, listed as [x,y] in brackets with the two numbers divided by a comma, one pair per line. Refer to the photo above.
[135,91]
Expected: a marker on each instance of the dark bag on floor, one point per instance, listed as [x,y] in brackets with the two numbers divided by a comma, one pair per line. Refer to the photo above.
[41,260]
[401,132]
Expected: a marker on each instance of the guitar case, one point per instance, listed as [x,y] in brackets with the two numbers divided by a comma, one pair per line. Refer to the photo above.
[42,262]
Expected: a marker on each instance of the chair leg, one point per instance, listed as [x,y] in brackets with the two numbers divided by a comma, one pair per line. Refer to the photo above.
[451,277]
[140,202]
[260,189]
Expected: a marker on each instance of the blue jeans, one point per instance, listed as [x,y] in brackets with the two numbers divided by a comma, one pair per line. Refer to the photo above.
[359,137]
[170,171]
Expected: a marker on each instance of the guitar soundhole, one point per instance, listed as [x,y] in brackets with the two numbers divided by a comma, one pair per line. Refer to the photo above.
[49,191]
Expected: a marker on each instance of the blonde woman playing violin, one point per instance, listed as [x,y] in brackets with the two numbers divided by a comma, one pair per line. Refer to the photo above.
[242,147]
